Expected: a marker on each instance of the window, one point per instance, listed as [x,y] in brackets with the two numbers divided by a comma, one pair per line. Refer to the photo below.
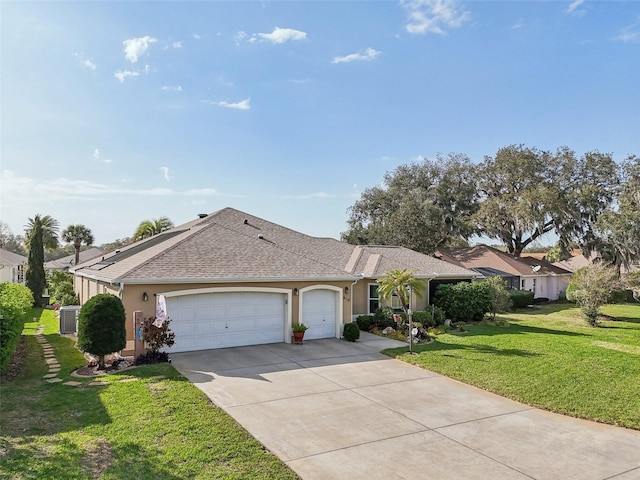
[535,281]
[524,285]
[374,299]
[396,304]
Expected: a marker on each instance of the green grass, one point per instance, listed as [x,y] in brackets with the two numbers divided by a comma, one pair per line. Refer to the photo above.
[549,358]
[147,422]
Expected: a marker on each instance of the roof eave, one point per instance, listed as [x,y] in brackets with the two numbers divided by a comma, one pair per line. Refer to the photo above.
[159,281]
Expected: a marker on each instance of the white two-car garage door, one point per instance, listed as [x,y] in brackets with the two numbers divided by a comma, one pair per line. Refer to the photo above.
[226,319]
[319,313]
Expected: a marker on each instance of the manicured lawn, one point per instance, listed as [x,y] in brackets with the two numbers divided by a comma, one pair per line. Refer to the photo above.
[148,422]
[549,358]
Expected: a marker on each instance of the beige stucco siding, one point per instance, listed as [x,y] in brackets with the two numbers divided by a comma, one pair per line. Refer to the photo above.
[132,296]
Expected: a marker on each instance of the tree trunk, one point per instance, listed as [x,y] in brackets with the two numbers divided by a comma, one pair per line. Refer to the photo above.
[101,365]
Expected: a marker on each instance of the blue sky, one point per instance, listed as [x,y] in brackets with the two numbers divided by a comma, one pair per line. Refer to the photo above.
[114,112]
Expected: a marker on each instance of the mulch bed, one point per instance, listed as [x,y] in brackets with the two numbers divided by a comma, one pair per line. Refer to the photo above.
[16,362]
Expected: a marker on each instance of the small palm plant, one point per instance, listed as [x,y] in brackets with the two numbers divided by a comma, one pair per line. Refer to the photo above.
[402,282]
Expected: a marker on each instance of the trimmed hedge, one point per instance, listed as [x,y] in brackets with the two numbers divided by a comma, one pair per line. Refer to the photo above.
[365,322]
[351,332]
[464,301]
[431,317]
[15,305]
[521,298]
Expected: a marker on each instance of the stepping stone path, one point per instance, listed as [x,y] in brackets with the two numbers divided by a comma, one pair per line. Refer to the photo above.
[54,366]
[52,362]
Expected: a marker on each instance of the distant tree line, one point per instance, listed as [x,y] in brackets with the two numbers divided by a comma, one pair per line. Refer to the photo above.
[515,197]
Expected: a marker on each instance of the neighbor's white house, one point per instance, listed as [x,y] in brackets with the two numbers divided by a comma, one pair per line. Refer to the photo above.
[12,267]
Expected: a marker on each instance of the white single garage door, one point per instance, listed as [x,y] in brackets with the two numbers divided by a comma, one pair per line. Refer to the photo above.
[227,319]
[319,313]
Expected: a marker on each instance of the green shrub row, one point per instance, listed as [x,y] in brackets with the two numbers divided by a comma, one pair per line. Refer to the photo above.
[520,298]
[383,318]
[464,301]
[15,305]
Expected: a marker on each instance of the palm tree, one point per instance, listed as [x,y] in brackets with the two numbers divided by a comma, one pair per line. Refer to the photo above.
[78,234]
[402,282]
[48,228]
[149,228]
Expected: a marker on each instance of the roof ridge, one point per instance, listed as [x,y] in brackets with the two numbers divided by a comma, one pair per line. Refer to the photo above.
[279,246]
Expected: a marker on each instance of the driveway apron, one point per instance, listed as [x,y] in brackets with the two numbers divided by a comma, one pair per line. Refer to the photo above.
[332,409]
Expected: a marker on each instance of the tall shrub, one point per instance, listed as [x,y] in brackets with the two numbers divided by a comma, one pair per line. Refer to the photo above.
[35,279]
[499,300]
[15,305]
[464,301]
[61,288]
[101,326]
[592,287]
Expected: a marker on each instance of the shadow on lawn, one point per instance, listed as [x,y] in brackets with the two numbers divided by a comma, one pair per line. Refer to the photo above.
[65,459]
[515,328]
[479,348]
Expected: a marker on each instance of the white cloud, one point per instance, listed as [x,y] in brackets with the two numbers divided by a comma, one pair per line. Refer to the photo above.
[519,24]
[240,36]
[177,44]
[282,35]
[630,33]
[368,54]
[172,88]
[85,61]
[433,16]
[21,189]
[241,105]
[136,47]
[573,7]
[124,74]
[96,154]
[628,37]
[165,173]
[196,36]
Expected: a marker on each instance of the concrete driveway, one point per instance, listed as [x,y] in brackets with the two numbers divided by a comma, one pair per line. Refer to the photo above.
[337,410]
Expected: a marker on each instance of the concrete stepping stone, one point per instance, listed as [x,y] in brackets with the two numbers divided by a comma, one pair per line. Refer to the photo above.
[54,365]
[54,370]
[50,375]
[71,383]
[54,380]
[127,380]
[51,360]
[98,384]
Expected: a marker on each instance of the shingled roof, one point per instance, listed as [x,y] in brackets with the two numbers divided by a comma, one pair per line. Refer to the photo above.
[484,256]
[10,258]
[233,246]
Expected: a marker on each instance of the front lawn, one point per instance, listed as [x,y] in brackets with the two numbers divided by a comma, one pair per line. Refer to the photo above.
[549,358]
[147,422]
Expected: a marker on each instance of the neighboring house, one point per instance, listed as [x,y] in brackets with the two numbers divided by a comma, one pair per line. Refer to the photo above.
[579,261]
[574,263]
[12,267]
[544,279]
[65,263]
[232,279]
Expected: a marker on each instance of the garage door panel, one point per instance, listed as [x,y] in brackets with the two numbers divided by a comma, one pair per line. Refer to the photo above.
[319,313]
[220,320]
